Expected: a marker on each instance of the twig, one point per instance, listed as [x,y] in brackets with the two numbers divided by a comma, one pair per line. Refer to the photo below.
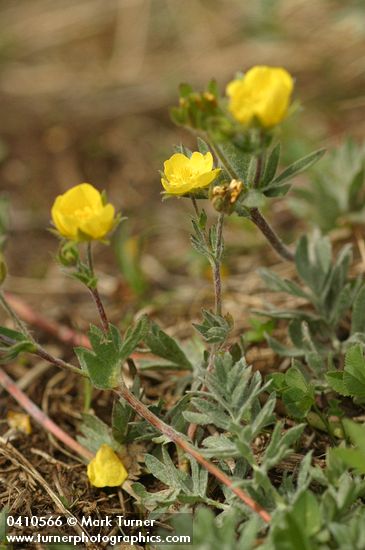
[38,415]
[179,440]
[268,232]
[41,352]
[44,354]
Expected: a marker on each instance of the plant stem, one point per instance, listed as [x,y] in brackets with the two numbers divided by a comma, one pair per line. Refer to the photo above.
[95,293]
[41,352]
[277,244]
[195,204]
[179,440]
[217,276]
[36,413]
[14,316]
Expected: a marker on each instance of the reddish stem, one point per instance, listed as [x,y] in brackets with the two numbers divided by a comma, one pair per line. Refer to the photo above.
[178,439]
[39,416]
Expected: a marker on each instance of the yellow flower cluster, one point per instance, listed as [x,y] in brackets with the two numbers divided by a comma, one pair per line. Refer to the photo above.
[80,214]
[183,174]
[106,469]
[263,94]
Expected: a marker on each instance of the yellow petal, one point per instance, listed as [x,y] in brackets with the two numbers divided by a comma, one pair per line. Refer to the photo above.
[106,469]
[19,421]
[205,179]
[263,93]
[80,196]
[100,223]
[58,218]
[81,209]
[177,188]
[174,164]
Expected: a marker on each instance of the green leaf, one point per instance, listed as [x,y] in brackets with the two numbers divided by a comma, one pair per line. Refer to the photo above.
[351,457]
[95,433]
[306,509]
[298,396]
[166,471]
[121,415]
[335,380]
[291,534]
[354,372]
[277,284]
[203,146]
[162,345]
[133,336]
[279,191]
[104,361]
[356,432]
[355,188]
[297,167]
[358,312]
[240,161]
[215,328]
[216,417]
[271,166]
[13,344]
[254,199]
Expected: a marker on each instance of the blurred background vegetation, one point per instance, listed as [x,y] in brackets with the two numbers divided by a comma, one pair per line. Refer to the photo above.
[85,89]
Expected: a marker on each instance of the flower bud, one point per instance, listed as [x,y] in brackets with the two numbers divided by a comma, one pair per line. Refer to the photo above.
[68,254]
[224,197]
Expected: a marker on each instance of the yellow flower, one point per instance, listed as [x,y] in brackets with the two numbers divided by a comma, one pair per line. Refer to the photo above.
[79,214]
[106,469]
[263,93]
[19,421]
[183,174]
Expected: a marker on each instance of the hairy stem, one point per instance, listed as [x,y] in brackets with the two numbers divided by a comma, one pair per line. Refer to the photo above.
[217,266]
[277,244]
[195,204]
[95,293]
[41,352]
